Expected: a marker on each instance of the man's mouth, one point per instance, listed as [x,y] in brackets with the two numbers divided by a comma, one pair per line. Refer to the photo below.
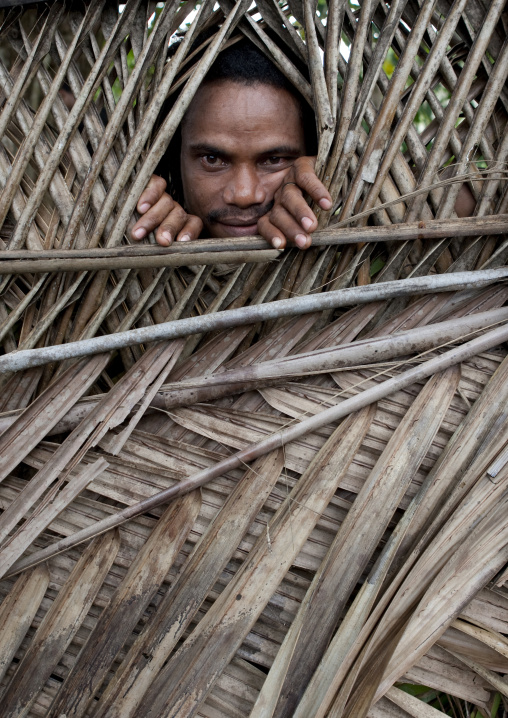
[229,225]
[240,228]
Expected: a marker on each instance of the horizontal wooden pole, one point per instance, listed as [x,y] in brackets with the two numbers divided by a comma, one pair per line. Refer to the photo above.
[236,250]
[143,261]
[26,358]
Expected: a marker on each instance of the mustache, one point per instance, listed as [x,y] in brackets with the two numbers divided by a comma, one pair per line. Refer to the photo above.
[249,216]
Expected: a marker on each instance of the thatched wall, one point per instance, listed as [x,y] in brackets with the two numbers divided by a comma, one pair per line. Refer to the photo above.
[217,503]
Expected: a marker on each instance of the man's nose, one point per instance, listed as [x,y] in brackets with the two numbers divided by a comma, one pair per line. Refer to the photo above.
[244,188]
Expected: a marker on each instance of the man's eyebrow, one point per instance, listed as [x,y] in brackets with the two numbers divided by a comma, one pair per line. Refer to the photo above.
[204,148]
[283,150]
[207,149]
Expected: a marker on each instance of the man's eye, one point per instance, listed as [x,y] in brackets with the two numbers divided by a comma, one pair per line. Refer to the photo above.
[276,161]
[212,160]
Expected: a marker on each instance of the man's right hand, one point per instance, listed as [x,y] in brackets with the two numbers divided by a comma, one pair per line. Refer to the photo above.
[161,213]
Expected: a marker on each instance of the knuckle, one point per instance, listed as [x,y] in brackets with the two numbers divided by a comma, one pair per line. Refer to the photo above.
[277,214]
[308,179]
[168,200]
[264,224]
[159,182]
[195,223]
[179,213]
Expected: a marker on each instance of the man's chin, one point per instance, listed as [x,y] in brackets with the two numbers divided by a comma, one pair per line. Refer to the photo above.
[233,230]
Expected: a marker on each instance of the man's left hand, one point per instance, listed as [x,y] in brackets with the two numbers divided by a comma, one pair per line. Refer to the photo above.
[291,219]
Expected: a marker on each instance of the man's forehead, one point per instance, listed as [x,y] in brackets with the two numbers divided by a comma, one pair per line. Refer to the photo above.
[228,111]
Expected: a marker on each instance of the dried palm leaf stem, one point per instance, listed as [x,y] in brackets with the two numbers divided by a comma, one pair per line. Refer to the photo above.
[490,187]
[280,438]
[75,115]
[60,624]
[325,117]
[496,681]
[17,612]
[15,361]
[18,311]
[418,92]
[348,133]
[374,507]
[457,100]
[58,188]
[369,162]
[40,48]
[482,115]
[124,104]
[25,152]
[235,250]
[465,446]
[267,45]
[334,22]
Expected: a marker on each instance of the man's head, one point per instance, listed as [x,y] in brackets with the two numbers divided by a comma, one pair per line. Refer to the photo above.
[243,130]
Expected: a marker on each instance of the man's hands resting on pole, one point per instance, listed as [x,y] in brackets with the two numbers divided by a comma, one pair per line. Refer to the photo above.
[290,220]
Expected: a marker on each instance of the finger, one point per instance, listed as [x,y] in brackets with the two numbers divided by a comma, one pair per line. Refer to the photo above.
[171,225]
[153,218]
[306,178]
[292,200]
[191,229]
[269,232]
[151,194]
[287,225]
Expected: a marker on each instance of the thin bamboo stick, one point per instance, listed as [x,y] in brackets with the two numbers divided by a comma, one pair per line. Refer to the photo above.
[252,314]
[150,259]
[239,250]
[234,381]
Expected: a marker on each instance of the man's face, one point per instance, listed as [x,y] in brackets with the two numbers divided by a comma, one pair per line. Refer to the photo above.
[238,143]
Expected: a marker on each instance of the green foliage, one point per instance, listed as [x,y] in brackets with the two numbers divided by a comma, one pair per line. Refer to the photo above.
[390,62]
[496,704]
[449,705]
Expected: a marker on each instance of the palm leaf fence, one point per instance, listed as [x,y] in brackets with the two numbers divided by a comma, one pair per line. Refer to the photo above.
[236,481]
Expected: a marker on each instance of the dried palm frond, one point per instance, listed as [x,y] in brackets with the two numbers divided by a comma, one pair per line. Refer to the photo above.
[215,502]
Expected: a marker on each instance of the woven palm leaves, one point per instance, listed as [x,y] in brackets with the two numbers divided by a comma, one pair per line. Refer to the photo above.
[216,503]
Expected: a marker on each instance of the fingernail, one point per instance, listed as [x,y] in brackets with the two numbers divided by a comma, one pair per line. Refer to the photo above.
[184,238]
[325,203]
[301,241]
[276,242]
[306,223]
[139,233]
[144,207]
[167,236]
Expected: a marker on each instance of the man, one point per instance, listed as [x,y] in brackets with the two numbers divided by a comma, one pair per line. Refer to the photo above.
[244,164]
